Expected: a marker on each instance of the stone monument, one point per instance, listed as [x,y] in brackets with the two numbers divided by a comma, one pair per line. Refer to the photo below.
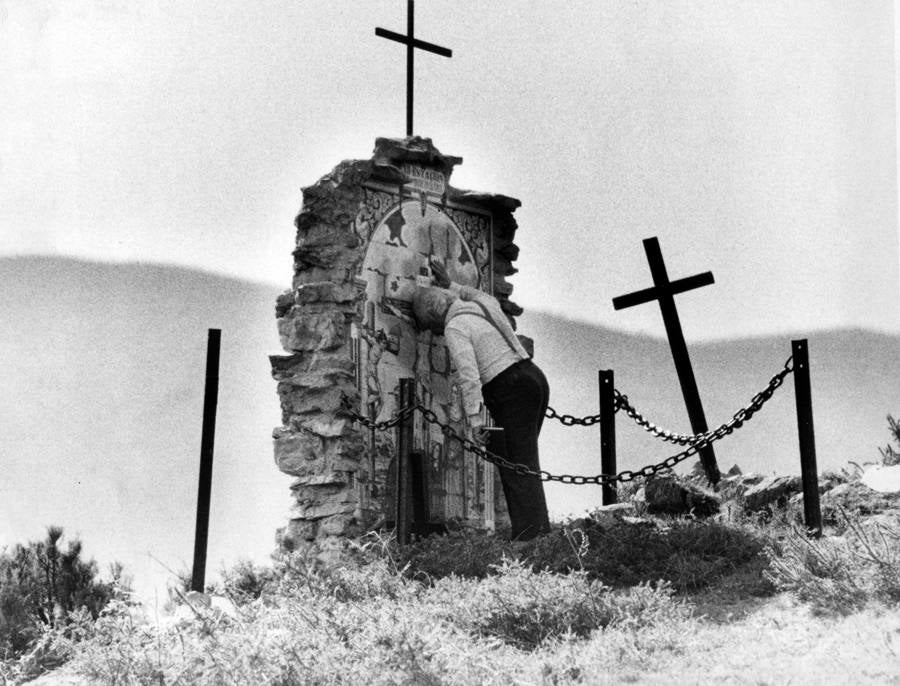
[365,234]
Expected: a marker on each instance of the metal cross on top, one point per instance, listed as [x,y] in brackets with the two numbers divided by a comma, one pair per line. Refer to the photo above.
[411,44]
[664,291]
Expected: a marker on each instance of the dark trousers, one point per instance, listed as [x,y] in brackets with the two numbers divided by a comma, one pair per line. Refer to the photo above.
[517,400]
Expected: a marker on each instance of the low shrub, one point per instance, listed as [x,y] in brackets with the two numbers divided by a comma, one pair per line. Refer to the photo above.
[688,554]
[890,456]
[840,574]
[526,608]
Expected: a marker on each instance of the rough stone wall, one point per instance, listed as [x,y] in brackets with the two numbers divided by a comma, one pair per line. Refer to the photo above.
[318,443]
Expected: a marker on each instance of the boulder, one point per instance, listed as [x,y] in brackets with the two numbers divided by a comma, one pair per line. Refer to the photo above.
[666,494]
[882,479]
[856,498]
[771,492]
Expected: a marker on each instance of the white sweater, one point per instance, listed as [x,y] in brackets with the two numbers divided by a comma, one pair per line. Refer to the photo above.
[477,347]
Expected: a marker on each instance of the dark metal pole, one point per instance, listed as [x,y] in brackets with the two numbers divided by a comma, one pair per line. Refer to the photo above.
[802,390]
[410,21]
[210,401]
[608,432]
[680,354]
[419,487]
[404,448]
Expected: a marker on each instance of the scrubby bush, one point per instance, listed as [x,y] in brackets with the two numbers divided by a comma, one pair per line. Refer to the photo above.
[889,456]
[840,574]
[526,608]
[688,554]
[42,584]
[368,623]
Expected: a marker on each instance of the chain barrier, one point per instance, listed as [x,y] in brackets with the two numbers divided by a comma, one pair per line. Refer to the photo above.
[573,479]
[569,420]
[737,420]
[372,424]
[695,443]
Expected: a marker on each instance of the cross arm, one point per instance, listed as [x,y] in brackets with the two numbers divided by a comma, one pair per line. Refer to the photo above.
[654,293]
[416,43]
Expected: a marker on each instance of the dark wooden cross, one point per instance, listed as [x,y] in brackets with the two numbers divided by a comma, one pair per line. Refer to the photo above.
[411,44]
[664,291]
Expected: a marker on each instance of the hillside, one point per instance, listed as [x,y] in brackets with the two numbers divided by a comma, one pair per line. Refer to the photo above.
[103,388]
[103,406]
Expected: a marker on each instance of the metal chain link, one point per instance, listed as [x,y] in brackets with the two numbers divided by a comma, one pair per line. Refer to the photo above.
[737,420]
[569,420]
[696,442]
[372,424]
[574,479]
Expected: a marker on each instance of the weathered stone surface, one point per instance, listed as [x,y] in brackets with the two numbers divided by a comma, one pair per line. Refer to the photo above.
[510,308]
[855,498]
[325,292]
[502,286]
[413,149]
[504,268]
[330,366]
[771,492]
[297,531]
[317,509]
[283,303]
[319,331]
[326,235]
[490,201]
[510,252]
[299,453]
[666,494]
[340,525]
[297,400]
[325,426]
[319,274]
[303,453]
[326,479]
[505,226]
[334,257]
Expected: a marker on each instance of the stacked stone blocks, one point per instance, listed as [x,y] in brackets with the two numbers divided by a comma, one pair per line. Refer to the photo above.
[318,442]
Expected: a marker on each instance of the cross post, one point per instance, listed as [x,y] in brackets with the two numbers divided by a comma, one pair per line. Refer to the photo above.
[411,43]
[664,291]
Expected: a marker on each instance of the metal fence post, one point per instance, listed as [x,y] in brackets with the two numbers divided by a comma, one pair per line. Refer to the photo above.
[419,486]
[404,476]
[810,477]
[608,433]
[210,401]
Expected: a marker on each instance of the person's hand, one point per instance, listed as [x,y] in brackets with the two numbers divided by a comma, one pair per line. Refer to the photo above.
[483,435]
[439,273]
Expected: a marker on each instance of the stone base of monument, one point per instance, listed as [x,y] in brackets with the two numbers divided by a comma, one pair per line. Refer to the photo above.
[365,235]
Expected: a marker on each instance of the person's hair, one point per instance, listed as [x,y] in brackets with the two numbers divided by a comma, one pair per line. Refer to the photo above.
[430,308]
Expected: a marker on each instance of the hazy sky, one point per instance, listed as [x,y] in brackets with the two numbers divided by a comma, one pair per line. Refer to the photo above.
[755,138]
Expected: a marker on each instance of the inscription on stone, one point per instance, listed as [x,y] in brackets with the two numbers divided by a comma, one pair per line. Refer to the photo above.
[423,179]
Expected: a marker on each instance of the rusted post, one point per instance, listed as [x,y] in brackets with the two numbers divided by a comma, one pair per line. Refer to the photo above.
[608,433]
[404,475]
[210,401]
[811,510]
[419,487]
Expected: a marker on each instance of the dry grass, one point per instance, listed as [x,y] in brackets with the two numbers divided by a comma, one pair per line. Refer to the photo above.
[383,621]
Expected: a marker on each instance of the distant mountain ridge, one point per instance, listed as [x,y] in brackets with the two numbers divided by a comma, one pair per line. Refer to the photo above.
[103,394]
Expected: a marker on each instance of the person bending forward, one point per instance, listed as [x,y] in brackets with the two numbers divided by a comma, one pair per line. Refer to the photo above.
[492,365]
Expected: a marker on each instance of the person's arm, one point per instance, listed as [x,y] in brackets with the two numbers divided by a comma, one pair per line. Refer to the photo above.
[463,355]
